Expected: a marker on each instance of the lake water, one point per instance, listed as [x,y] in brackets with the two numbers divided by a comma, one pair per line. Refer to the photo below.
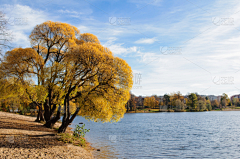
[214,134]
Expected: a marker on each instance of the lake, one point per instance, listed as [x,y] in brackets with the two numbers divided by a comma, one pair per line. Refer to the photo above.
[214,134]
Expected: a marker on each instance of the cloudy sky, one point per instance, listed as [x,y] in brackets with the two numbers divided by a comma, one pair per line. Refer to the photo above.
[186,46]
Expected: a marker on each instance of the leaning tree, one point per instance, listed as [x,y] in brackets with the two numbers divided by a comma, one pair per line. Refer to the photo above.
[69,67]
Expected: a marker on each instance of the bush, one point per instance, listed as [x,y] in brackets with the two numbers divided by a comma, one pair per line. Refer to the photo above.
[80,131]
[77,138]
[68,138]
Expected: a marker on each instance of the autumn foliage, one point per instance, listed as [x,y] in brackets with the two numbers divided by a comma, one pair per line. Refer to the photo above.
[150,102]
[64,69]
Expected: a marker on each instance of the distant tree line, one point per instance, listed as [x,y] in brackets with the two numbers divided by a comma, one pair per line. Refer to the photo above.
[176,102]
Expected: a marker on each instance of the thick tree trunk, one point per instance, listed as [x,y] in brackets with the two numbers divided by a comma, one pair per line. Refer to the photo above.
[63,127]
[65,124]
[53,110]
[47,116]
[53,120]
[66,118]
[40,114]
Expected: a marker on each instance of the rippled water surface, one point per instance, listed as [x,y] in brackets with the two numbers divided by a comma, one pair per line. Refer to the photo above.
[167,135]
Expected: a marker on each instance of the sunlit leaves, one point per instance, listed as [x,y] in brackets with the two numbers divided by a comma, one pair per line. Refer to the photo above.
[88,37]
[50,33]
[67,65]
[22,62]
[150,102]
[105,81]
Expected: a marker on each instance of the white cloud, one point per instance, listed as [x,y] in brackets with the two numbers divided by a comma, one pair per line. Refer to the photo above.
[21,39]
[22,20]
[83,29]
[146,41]
[143,3]
[83,15]
[211,50]
[118,48]
[66,11]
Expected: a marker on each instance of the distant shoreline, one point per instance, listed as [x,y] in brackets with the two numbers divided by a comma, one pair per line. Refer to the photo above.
[144,111]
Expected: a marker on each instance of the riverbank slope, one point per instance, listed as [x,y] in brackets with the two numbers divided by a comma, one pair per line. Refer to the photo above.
[21,137]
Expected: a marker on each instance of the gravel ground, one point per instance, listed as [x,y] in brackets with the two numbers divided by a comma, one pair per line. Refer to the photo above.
[21,137]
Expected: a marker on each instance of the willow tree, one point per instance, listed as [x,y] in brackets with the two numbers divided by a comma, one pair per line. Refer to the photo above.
[23,65]
[97,81]
[73,67]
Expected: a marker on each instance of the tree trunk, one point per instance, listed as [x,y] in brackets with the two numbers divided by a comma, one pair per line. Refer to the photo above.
[50,123]
[53,110]
[40,114]
[66,118]
[46,111]
[63,127]
[65,124]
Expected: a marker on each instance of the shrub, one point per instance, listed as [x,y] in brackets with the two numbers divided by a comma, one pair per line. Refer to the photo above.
[77,138]
[80,131]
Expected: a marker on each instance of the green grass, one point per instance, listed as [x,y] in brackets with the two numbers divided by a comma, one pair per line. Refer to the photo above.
[69,138]
[155,110]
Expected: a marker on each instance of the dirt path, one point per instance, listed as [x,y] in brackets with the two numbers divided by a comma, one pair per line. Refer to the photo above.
[21,137]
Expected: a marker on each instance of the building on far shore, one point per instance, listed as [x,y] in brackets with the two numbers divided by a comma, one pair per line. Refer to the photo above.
[213,97]
[235,96]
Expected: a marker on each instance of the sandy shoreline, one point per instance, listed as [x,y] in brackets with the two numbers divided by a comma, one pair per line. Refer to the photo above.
[21,137]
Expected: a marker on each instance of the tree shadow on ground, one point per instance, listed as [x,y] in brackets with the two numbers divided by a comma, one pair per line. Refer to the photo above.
[23,125]
[37,137]
[29,141]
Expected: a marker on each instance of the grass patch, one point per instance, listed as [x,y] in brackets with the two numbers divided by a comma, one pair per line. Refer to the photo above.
[154,110]
[69,138]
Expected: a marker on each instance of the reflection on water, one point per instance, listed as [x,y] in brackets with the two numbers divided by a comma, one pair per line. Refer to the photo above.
[167,135]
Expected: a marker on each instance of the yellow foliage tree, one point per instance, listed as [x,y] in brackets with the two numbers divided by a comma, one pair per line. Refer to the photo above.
[71,67]
[151,102]
[174,97]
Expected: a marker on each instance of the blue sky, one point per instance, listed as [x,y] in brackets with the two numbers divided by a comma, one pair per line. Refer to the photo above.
[186,46]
